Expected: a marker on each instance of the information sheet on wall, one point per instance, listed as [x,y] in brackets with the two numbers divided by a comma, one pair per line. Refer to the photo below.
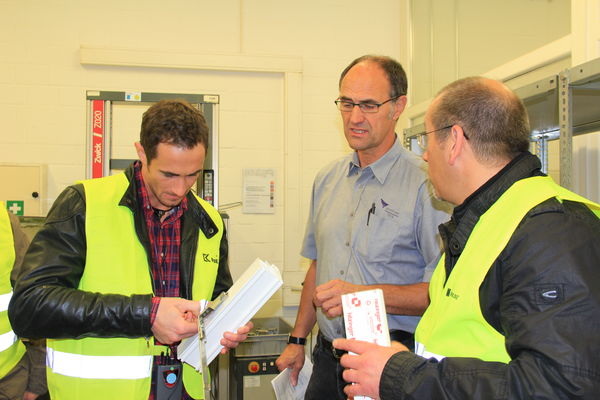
[259,191]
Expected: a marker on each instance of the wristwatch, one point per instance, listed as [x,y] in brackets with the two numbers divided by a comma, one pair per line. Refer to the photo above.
[296,340]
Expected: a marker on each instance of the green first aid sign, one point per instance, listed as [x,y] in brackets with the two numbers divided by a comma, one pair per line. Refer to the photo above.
[16,207]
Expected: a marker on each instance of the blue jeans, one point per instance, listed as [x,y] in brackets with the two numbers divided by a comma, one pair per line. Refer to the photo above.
[326,382]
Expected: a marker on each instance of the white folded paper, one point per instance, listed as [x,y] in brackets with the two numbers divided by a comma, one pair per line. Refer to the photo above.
[247,295]
[284,389]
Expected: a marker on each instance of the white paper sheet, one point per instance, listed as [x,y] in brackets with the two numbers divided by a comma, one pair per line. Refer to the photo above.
[284,389]
[258,191]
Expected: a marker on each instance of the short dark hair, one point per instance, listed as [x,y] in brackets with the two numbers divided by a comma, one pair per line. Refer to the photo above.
[493,117]
[174,122]
[392,68]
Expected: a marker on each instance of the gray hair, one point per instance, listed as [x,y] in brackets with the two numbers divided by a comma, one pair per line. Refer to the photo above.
[491,115]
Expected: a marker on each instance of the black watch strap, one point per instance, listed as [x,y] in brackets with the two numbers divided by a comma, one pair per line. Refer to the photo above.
[296,340]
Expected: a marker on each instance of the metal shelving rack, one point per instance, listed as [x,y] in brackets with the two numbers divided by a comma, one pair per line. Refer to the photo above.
[561,106]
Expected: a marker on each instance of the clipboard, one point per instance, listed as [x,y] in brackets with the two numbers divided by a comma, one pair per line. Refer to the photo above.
[247,295]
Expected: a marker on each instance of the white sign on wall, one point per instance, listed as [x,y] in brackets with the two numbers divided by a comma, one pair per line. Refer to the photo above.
[259,191]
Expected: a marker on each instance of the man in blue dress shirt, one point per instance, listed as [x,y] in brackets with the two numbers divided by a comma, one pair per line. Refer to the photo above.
[372,224]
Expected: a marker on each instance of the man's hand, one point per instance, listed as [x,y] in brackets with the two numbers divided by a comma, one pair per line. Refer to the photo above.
[30,396]
[176,319]
[328,296]
[292,357]
[231,340]
[364,369]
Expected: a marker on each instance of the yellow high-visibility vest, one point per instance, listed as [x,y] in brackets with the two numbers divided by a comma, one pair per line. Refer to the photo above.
[453,325]
[116,262]
[11,348]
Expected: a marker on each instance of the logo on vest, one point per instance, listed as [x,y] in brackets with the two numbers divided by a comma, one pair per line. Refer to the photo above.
[450,293]
[208,258]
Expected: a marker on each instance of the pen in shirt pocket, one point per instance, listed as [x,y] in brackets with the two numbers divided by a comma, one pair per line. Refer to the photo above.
[371,211]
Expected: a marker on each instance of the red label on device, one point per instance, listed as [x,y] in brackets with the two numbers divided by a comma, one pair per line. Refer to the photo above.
[97,138]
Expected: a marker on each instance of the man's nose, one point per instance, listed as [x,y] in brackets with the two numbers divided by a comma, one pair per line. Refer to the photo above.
[180,187]
[357,115]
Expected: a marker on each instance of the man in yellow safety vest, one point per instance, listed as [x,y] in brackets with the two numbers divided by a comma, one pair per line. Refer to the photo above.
[22,373]
[515,299]
[116,274]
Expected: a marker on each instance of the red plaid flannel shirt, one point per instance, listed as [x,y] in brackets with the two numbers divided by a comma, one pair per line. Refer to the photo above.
[165,244]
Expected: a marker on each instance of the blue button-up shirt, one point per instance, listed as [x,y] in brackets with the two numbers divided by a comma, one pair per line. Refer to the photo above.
[374,225]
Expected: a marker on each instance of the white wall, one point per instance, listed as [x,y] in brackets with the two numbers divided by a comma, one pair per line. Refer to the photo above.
[585,17]
[517,41]
[452,39]
[267,119]
[278,119]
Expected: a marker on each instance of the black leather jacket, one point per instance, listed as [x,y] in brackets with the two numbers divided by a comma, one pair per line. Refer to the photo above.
[46,302]
[554,343]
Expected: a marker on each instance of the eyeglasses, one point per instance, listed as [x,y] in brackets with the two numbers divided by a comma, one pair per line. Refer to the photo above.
[348,106]
[422,137]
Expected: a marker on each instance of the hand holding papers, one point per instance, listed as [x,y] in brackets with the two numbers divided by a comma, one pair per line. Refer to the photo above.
[284,389]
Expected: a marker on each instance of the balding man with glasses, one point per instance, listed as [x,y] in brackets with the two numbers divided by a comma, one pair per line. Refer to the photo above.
[372,224]
[515,299]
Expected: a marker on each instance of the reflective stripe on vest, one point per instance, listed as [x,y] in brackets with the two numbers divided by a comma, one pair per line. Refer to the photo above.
[7,339]
[4,300]
[99,367]
[420,350]
[453,325]
[112,243]
[11,349]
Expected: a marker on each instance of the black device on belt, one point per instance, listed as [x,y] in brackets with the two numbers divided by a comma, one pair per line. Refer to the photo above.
[168,376]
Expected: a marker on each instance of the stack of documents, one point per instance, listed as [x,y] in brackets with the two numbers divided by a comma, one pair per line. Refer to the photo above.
[247,295]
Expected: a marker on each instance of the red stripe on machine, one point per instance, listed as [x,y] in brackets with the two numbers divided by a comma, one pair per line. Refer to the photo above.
[97,138]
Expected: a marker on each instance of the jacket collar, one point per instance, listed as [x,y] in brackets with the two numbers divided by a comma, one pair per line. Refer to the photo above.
[465,216]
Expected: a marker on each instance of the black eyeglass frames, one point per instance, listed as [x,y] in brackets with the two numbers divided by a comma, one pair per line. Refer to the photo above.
[422,137]
[348,106]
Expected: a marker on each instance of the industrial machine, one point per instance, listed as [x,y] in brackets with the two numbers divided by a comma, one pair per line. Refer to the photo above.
[252,363]
[113,124]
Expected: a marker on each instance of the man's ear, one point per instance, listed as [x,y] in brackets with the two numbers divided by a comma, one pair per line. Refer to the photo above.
[139,149]
[399,105]
[457,143]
